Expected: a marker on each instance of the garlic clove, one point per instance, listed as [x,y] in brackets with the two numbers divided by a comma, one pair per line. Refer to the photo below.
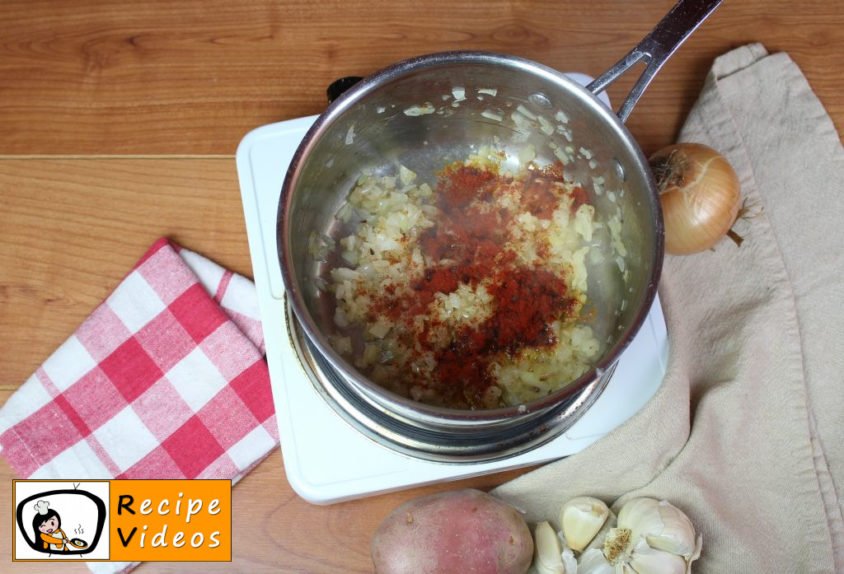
[547,557]
[593,562]
[678,537]
[581,519]
[695,554]
[640,516]
[569,561]
[661,524]
[598,541]
[647,560]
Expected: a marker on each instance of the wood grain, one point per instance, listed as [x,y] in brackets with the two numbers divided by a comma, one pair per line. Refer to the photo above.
[119,121]
[101,77]
[73,228]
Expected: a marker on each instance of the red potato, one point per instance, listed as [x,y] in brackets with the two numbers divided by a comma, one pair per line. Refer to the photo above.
[459,532]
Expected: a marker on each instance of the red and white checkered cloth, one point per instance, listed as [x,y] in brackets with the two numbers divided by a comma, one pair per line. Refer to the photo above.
[164,380]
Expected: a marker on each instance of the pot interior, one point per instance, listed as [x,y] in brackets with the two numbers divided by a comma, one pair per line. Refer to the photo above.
[424,114]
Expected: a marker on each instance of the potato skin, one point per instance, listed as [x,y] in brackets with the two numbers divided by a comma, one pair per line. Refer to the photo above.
[458,532]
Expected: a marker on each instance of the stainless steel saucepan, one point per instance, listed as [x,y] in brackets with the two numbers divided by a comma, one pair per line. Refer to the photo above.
[382,122]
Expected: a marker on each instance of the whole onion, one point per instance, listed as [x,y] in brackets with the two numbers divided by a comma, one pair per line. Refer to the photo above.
[700,196]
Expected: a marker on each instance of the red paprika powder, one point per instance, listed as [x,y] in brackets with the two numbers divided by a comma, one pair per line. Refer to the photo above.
[468,245]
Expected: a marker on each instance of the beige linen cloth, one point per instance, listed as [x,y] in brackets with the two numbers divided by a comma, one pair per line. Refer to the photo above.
[746,433]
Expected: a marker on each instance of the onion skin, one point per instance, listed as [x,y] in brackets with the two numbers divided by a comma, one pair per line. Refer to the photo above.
[700,196]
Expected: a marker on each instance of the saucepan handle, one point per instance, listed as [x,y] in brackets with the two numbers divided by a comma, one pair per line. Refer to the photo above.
[339,86]
[655,49]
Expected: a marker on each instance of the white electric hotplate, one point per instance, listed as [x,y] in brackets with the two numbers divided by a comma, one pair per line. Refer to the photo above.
[327,460]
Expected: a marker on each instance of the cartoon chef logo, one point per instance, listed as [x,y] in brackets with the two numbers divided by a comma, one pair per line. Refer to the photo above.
[47,530]
[60,522]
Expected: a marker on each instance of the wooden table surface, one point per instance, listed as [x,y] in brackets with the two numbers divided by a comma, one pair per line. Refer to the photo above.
[119,123]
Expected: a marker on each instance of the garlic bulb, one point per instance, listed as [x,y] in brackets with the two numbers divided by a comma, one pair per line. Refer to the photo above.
[662,525]
[548,552]
[648,537]
[652,537]
[581,519]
